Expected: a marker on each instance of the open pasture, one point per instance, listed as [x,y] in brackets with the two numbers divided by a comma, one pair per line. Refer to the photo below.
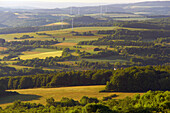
[43,50]
[125,15]
[41,55]
[65,44]
[19,67]
[57,24]
[10,37]
[55,33]
[1,56]
[132,19]
[39,95]
[3,48]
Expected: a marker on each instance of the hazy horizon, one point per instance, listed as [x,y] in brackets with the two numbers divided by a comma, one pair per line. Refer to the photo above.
[50,4]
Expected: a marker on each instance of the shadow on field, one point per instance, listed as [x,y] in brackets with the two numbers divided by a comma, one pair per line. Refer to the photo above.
[22,97]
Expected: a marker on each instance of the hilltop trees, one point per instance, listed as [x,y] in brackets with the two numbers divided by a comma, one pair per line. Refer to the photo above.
[129,79]
[2,41]
[138,79]
[2,87]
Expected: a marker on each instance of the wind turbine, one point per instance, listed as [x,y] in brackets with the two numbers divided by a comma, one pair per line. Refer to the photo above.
[71,10]
[78,10]
[106,9]
[61,22]
[101,8]
[72,23]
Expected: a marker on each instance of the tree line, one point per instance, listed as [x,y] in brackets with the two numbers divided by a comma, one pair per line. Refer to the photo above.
[162,23]
[83,34]
[136,79]
[29,42]
[24,37]
[128,79]
[95,65]
[57,79]
[115,43]
[11,71]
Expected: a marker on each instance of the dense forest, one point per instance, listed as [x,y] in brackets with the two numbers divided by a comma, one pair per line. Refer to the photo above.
[11,71]
[162,23]
[129,79]
[139,79]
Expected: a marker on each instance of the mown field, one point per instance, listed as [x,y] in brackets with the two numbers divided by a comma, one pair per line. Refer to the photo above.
[2,48]
[39,95]
[59,34]
[41,55]
[69,42]
[57,23]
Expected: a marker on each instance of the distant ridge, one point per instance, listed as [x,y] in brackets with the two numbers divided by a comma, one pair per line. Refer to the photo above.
[153,3]
[1,25]
[38,17]
[151,7]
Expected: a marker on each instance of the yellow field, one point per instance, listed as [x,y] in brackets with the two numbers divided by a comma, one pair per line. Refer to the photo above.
[56,33]
[39,95]
[57,24]
[65,44]
[3,48]
[41,55]
[19,67]
[1,56]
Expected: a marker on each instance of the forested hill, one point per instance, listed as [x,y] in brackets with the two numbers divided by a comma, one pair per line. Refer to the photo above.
[159,23]
[129,79]
[86,20]
[139,79]
[153,8]
[1,25]
[41,17]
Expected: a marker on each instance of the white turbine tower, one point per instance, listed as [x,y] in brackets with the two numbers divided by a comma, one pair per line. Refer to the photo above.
[106,9]
[62,22]
[71,10]
[101,8]
[78,10]
[72,23]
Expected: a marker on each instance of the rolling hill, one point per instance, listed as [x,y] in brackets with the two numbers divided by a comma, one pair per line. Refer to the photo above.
[40,17]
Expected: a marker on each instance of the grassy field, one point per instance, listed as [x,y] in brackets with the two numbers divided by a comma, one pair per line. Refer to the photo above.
[69,42]
[39,95]
[132,19]
[57,33]
[107,59]
[1,56]
[2,48]
[57,24]
[41,55]
[43,50]
[115,15]
[19,67]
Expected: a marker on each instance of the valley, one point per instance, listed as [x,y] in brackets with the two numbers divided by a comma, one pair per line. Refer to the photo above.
[92,59]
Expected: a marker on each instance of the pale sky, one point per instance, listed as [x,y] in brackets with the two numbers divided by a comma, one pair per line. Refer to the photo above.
[63,3]
[88,1]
